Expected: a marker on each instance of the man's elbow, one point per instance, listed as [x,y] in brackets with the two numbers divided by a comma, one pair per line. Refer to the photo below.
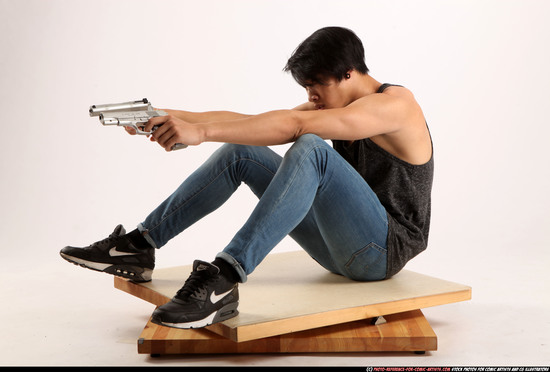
[293,125]
[300,125]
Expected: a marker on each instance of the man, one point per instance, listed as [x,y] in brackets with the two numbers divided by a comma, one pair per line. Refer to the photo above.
[360,208]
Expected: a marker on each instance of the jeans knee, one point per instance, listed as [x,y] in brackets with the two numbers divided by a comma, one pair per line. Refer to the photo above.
[307,142]
[231,150]
[309,139]
[230,153]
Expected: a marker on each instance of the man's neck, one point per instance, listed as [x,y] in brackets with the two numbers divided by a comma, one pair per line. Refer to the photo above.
[366,85]
[361,85]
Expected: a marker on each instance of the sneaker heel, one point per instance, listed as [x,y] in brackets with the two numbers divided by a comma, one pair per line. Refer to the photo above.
[227,312]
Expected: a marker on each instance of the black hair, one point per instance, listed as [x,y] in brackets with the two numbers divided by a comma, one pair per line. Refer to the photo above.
[328,52]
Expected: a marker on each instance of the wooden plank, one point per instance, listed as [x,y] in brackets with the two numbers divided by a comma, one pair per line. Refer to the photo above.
[290,292]
[408,331]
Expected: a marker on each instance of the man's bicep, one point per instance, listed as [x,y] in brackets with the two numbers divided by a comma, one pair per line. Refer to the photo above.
[376,114]
[360,119]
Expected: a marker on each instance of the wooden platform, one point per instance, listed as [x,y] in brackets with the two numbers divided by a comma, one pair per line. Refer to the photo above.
[290,292]
[408,331]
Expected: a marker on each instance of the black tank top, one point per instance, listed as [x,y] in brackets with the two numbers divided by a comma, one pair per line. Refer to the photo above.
[403,189]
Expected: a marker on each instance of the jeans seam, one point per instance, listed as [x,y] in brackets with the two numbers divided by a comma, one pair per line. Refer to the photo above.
[374,245]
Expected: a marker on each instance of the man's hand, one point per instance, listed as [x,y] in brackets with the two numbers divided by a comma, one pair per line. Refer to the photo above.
[130,130]
[172,130]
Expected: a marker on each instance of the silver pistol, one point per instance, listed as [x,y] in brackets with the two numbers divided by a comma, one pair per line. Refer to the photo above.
[134,114]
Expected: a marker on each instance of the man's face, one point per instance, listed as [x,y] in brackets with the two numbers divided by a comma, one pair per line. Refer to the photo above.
[326,95]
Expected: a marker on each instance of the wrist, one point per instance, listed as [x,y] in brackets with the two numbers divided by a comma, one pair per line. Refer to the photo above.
[202,133]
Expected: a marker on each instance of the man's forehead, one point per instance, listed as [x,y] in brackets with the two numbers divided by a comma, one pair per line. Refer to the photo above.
[318,80]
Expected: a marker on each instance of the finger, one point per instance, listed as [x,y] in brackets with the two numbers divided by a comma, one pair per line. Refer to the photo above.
[170,144]
[160,131]
[165,139]
[156,121]
[130,130]
[168,138]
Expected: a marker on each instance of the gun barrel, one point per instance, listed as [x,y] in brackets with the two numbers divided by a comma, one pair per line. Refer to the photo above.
[108,121]
[141,105]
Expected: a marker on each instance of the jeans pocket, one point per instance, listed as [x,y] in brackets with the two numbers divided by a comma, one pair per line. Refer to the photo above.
[367,264]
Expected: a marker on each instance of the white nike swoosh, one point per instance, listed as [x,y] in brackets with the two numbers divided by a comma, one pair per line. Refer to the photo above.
[215,298]
[114,253]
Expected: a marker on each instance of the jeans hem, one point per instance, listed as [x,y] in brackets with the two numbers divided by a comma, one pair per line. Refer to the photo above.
[236,265]
[145,233]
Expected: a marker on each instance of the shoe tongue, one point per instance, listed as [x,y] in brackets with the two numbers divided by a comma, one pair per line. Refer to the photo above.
[205,266]
[119,230]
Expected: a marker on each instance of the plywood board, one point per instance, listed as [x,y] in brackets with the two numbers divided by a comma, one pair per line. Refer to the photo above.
[290,292]
[408,331]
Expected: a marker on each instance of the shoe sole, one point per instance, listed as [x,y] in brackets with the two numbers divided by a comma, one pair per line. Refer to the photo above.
[227,312]
[134,273]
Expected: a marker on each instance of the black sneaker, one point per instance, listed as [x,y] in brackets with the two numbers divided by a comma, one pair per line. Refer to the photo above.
[114,255]
[207,297]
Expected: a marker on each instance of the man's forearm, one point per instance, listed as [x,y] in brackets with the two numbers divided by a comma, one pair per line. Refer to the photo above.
[205,117]
[270,128]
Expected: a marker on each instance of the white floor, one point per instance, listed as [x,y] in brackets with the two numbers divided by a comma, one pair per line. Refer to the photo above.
[57,314]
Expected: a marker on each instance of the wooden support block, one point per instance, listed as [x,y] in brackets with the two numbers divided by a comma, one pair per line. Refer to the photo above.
[408,331]
[290,292]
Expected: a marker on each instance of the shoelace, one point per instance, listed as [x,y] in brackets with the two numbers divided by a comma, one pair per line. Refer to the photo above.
[107,241]
[196,281]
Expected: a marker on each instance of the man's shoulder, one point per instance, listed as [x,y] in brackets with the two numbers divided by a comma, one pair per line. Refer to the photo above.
[398,91]
[404,97]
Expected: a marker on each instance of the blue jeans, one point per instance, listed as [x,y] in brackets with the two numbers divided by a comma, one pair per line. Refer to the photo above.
[311,194]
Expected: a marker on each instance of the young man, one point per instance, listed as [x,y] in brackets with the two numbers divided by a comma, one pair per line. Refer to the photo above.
[360,208]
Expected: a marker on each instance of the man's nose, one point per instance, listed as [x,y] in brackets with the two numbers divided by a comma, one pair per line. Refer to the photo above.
[312,96]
